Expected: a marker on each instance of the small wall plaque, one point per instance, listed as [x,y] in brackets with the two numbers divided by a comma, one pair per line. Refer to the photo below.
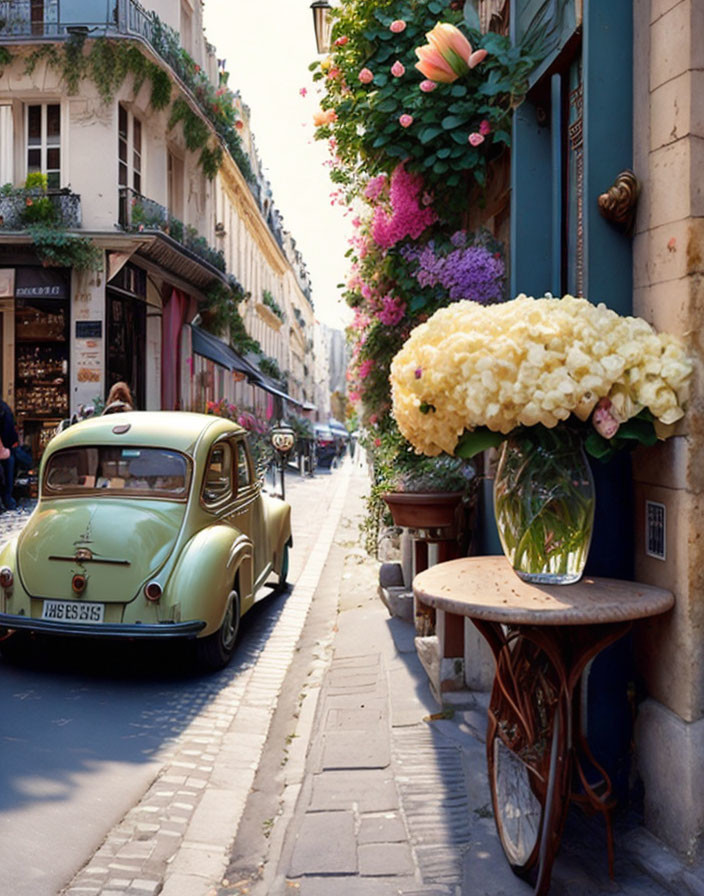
[655,530]
[89,329]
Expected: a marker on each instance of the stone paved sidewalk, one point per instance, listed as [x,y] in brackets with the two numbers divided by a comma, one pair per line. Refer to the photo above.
[388,794]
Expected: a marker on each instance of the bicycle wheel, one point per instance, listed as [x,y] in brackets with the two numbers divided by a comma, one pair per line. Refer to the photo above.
[528,758]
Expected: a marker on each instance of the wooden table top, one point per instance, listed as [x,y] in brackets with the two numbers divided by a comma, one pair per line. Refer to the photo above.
[487,588]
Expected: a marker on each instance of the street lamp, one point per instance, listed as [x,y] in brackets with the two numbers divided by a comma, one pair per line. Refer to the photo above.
[283,439]
[322,24]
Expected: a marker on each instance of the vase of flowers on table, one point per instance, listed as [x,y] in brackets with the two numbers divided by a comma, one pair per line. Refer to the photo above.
[545,379]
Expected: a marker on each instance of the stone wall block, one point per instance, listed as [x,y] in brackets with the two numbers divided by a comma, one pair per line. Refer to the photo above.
[659,8]
[696,182]
[667,464]
[670,42]
[670,111]
[674,810]
[668,183]
[670,647]
[478,659]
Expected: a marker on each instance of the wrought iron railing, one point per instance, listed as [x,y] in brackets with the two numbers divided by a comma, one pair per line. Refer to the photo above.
[138,213]
[53,18]
[20,209]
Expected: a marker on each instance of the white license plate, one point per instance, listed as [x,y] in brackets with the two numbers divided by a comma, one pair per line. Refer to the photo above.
[70,611]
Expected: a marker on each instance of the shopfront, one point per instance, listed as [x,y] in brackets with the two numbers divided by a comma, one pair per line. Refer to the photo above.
[126,331]
[35,349]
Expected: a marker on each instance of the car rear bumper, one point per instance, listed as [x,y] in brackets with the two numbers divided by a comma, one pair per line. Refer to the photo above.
[160,631]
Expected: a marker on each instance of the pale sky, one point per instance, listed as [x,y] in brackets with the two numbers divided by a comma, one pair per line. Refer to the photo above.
[268,46]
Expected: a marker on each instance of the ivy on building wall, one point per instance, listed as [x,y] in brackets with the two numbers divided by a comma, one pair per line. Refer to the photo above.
[57,248]
[108,62]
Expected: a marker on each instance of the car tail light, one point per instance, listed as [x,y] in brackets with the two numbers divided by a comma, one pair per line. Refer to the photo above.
[78,583]
[152,591]
[6,577]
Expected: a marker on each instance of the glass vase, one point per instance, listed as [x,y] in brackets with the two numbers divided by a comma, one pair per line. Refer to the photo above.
[544,504]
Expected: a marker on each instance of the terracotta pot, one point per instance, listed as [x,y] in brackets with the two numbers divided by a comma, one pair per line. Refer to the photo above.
[424,510]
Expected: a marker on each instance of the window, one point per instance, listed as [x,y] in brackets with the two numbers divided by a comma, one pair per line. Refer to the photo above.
[129,142]
[174,175]
[149,472]
[217,483]
[244,473]
[43,128]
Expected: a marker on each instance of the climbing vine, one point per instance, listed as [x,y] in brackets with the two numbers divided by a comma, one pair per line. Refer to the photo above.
[57,248]
[108,62]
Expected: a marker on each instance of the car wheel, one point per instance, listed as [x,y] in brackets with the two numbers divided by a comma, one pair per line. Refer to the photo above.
[15,646]
[283,575]
[215,651]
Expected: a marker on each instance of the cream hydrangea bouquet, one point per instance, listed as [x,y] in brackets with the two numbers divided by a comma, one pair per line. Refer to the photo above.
[543,374]
[472,374]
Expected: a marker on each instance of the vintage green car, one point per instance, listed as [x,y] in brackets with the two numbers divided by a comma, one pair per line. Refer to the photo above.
[148,525]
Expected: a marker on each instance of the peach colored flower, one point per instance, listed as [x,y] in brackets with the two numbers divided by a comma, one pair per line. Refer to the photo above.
[324,116]
[366,76]
[427,86]
[605,423]
[341,41]
[447,55]
[397,69]
[406,121]
[476,139]
[397,26]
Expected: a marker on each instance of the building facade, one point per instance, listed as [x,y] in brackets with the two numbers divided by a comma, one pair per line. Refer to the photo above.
[131,203]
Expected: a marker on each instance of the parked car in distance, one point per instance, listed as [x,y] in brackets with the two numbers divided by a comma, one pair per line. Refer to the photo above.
[325,446]
[148,525]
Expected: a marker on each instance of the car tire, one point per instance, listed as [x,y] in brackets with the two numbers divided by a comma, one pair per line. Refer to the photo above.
[15,647]
[283,575]
[215,651]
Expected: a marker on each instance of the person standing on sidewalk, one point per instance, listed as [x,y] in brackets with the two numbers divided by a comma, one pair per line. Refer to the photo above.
[9,439]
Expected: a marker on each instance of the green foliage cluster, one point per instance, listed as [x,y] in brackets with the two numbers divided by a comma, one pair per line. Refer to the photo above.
[368,135]
[108,62]
[272,304]
[269,367]
[56,247]
[221,315]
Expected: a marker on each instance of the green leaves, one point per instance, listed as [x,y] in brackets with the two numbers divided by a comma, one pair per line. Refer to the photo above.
[639,430]
[477,440]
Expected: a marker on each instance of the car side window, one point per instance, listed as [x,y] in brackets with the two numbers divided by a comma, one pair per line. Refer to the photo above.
[217,483]
[244,473]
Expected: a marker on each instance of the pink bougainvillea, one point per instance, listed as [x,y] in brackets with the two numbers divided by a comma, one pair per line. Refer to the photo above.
[407,217]
[392,311]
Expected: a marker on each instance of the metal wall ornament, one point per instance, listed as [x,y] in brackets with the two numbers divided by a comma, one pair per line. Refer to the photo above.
[618,203]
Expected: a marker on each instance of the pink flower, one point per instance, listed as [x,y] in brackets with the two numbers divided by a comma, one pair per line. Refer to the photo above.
[603,420]
[427,86]
[341,41]
[476,139]
[406,217]
[392,311]
[375,187]
[484,127]
[365,76]
[397,26]
[374,419]
[377,443]
[303,91]
[397,69]
[406,121]
[365,368]
[447,55]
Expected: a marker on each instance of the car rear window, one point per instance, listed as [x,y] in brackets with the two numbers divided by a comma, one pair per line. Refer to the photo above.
[144,471]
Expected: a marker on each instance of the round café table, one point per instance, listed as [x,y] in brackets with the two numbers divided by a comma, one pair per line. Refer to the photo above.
[542,638]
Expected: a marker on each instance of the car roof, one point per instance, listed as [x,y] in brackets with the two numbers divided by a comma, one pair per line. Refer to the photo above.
[179,430]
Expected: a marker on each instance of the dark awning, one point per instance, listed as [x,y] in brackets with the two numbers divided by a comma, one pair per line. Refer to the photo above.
[216,350]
